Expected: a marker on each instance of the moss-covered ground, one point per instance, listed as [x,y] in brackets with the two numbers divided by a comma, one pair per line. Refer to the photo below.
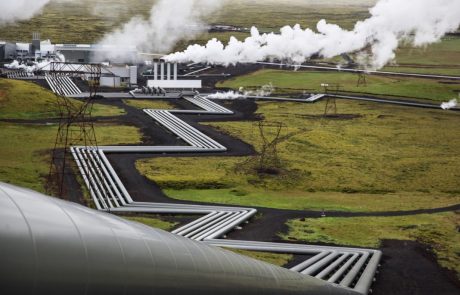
[438,231]
[25,149]
[372,158]
[153,221]
[26,100]
[311,81]
[272,258]
[148,104]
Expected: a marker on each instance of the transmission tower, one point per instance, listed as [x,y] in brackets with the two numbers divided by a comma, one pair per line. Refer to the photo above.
[362,79]
[76,126]
[331,91]
[268,157]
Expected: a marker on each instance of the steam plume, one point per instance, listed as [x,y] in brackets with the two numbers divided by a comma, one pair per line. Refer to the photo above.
[226,95]
[392,22]
[449,105]
[169,22]
[15,10]
[265,90]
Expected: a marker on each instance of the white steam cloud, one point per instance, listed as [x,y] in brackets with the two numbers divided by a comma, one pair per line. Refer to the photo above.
[392,22]
[226,95]
[449,105]
[16,10]
[265,90]
[169,23]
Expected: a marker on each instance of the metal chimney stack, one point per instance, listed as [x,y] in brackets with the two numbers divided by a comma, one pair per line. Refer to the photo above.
[155,71]
[168,71]
[162,70]
[175,72]
[35,44]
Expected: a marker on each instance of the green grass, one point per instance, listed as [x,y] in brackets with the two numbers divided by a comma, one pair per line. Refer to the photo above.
[287,81]
[387,158]
[25,150]
[26,100]
[148,104]
[454,71]
[272,258]
[76,21]
[442,54]
[297,199]
[153,221]
[439,231]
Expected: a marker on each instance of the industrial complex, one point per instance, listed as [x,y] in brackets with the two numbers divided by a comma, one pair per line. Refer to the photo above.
[78,238]
[66,70]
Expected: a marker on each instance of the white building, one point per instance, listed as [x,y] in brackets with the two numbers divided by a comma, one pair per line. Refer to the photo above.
[165,76]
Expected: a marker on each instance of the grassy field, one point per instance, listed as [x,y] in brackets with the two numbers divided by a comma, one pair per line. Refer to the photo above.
[272,258]
[25,100]
[439,231]
[81,21]
[87,21]
[153,221]
[25,150]
[287,81]
[148,104]
[438,55]
[377,158]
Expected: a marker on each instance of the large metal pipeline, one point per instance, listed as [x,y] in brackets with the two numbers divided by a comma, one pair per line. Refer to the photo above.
[49,246]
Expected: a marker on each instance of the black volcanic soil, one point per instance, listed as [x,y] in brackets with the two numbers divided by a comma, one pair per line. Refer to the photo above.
[407,268]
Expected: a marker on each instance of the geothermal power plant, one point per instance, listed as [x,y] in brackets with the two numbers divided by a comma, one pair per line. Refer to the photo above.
[53,246]
[68,248]
[80,238]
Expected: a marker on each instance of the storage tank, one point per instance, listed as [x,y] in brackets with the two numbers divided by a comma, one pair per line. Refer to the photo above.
[49,246]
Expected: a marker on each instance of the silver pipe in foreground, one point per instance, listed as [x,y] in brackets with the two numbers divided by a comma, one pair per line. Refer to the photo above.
[53,247]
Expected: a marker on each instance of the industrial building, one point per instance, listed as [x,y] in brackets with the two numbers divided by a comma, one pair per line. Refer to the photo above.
[165,75]
[78,53]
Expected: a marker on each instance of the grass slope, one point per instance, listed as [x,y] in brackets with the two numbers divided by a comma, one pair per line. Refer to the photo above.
[25,150]
[26,100]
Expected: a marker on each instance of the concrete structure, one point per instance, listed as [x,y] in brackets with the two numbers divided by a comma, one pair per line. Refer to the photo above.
[77,53]
[111,76]
[85,53]
[165,76]
[175,84]
[49,246]
[119,75]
